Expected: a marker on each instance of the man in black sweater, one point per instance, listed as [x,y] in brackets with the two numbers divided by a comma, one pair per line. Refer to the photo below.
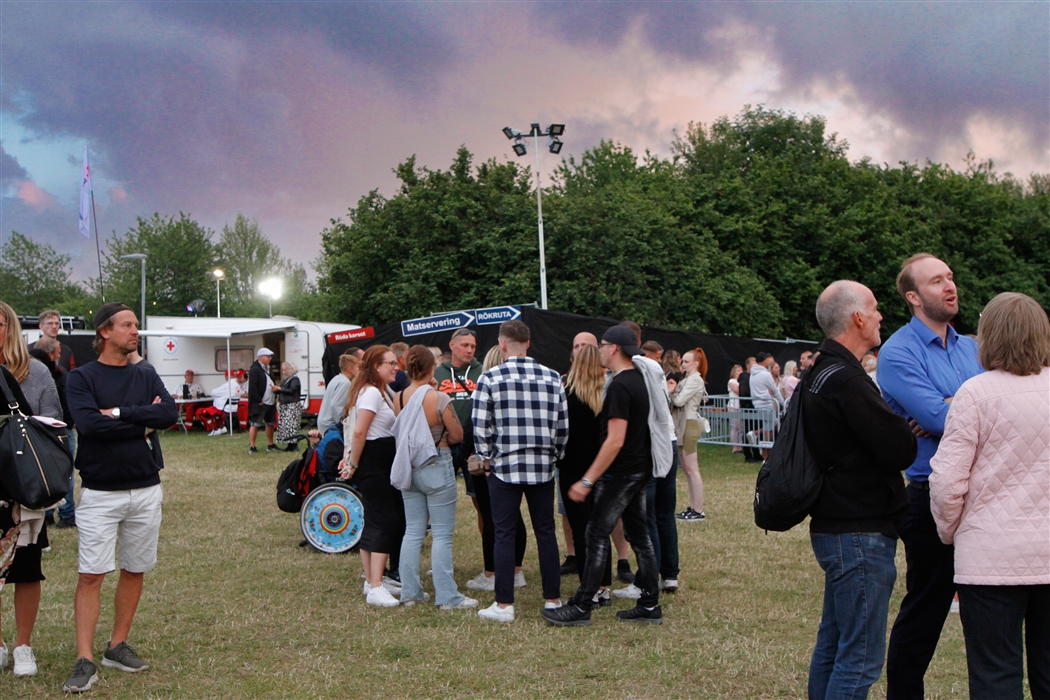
[118,407]
[862,446]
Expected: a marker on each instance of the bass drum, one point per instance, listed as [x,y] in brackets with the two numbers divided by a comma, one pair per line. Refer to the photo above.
[333,518]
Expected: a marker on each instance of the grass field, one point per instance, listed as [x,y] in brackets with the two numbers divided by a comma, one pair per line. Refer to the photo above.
[236,609]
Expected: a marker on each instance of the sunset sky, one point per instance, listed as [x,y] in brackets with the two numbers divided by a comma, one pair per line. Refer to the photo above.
[291,111]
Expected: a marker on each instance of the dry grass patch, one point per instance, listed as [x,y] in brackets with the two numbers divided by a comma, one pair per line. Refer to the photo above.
[236,609]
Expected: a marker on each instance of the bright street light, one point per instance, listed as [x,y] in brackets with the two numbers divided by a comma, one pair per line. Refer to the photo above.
[272,289]
[219,276]
[554,145]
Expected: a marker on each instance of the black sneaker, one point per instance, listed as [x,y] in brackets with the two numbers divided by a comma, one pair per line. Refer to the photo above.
[642,614]
[123,657]
[252,450]
[602,598]
[569,566]
[85,675]
[690,515]
[272,448]
[568,615]
[623,571]
[66,523]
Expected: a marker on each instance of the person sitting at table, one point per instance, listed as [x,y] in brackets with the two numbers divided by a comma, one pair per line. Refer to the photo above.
[190,389]
[224,401]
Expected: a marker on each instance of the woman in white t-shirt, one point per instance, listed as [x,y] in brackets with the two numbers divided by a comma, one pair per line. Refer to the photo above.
[370,456]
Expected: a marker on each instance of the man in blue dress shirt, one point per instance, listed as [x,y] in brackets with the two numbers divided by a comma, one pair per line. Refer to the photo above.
[921,367]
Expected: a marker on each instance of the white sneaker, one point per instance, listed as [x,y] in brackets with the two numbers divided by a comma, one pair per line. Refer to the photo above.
[25,662]
[632,591]
[381,597]
[3,656]
[669,584]
[417,601]
[465,604]
[221,431]
[495,612]
[481,582]
[389,583]
[547,605]
[953,609]
[366,589]
[519,579]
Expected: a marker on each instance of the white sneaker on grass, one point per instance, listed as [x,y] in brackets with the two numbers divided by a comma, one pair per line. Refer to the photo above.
[669,585]
[381,597]
[3,656]
[633,592]
[519,579]
[495,612]
[547,605]
[417,601]
[465,604]
[25,662]
[481,582]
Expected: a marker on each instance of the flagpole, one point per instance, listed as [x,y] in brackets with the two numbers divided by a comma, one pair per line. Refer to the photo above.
[98,250]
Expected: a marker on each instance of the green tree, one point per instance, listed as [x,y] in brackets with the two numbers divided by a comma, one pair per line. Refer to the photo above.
[247,257]
[34,277]
[179,255]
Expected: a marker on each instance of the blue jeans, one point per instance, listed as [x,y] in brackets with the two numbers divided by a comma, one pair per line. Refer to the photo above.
[432,497]
[660,499]
[859,572]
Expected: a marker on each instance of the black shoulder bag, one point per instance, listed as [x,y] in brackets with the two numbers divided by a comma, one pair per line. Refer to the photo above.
[35,464]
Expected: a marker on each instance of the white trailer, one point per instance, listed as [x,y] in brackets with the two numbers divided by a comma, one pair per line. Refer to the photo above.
[211,346]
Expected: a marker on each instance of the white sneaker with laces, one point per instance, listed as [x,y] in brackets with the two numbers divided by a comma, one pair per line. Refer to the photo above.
[632,591]
[519,579]
[25,662]
[465,604]
[481,582]
[381,597]
[495,612]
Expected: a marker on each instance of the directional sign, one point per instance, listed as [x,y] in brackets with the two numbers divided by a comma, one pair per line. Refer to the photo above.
[497,314]
[434,324]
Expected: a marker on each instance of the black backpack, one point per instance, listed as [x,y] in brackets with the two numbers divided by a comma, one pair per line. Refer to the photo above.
[296,481]
[789,482]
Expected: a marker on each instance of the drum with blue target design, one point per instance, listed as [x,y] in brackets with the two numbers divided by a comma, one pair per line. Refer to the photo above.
[333,518]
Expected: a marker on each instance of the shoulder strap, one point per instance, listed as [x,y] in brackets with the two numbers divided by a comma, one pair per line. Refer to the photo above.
[8,396]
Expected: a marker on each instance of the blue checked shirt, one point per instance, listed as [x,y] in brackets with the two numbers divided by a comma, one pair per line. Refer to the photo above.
[521,420]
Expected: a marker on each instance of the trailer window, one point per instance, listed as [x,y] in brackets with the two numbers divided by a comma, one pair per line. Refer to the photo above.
[240,358]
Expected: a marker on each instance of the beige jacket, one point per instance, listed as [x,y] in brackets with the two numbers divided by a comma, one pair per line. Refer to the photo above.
[990,486]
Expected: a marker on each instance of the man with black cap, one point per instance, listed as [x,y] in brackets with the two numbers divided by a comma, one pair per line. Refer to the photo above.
[765,395]
[618,477]
[118,407]
[262,408]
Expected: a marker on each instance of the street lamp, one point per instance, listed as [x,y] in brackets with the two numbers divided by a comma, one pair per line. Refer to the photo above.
[219,276]
[271,289]
[141,257]
[554,145]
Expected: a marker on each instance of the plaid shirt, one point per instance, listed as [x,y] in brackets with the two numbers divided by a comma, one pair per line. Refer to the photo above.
[521,420]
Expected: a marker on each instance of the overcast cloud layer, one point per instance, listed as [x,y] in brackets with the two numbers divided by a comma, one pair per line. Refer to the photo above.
[291,111]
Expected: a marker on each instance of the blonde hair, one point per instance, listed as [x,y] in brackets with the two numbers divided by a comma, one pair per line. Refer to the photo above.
[15,352]
[292,369]
[587,377]
[1014,335]
[492,358]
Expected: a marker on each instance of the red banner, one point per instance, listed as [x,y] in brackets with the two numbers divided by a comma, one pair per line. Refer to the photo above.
[348,336]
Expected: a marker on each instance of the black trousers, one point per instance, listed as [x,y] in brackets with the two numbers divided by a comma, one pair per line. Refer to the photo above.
[931,588]
[579,514]
[619,497]
[992,619]
[506,513]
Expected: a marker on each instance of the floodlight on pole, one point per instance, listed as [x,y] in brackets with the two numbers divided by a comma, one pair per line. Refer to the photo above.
[219,276]
[554,145]
[141,257]
[271,289]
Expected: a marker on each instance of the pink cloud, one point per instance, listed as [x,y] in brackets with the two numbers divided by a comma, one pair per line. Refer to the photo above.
[35,196]
[118,194]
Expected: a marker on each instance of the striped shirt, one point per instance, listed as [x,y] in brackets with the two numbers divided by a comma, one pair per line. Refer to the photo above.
[521,420]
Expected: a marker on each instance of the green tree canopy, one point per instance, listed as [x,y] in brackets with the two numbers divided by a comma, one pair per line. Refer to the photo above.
[34,277]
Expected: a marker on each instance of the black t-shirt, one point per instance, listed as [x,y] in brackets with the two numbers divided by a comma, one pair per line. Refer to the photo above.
[628,398]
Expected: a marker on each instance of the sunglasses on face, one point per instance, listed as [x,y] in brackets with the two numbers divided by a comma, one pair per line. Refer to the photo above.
[463,331]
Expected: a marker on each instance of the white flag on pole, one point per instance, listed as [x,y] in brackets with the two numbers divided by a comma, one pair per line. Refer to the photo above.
[85,198]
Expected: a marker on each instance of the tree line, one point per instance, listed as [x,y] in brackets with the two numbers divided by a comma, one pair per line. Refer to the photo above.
[736,232]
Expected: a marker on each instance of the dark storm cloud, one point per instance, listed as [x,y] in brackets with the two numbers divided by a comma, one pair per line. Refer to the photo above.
[929,66]
[10,168]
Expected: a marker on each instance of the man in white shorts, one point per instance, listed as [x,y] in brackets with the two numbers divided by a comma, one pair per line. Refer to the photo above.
[118,407]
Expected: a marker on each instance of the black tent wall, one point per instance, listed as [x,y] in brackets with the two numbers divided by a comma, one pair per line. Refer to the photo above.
[553,331]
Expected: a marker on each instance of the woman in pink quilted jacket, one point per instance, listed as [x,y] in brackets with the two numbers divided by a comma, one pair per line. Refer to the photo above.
[990,495]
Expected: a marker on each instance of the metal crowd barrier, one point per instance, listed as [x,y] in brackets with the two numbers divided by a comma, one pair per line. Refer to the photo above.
[731,425]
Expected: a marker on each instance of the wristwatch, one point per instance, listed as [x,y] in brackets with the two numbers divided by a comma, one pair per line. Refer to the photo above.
[116,413]
[587,483]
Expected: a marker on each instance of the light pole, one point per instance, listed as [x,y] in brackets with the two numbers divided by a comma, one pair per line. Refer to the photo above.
[219,276]
[141,257]
[271,289]
[554,144]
